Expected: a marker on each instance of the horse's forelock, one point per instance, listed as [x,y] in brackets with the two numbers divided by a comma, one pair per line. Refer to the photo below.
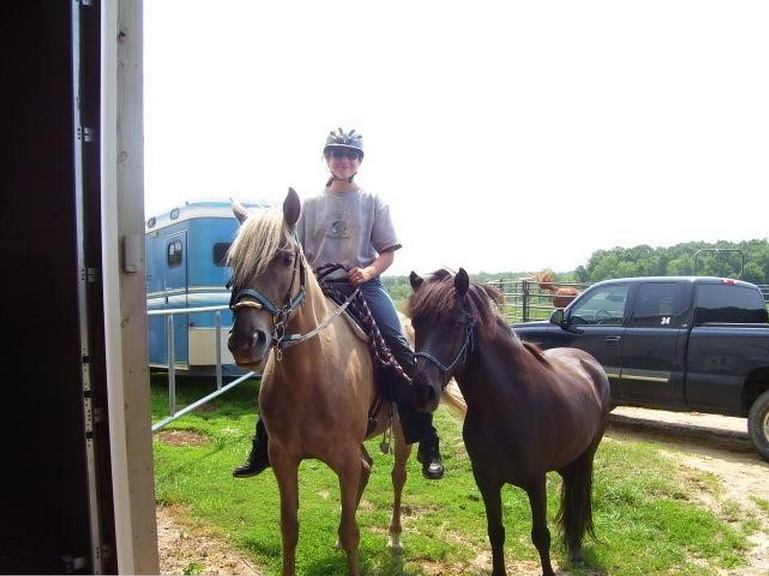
[437,295]
[258,240]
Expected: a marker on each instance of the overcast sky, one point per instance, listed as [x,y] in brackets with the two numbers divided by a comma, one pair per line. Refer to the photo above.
[506,136]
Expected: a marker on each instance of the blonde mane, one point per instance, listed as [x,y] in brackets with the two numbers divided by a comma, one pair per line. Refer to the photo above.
[258,241]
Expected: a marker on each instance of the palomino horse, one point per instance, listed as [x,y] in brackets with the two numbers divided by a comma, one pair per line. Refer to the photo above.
[527,411]
[315,396]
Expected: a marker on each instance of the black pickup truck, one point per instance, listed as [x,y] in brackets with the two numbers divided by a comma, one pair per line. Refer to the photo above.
[673,343]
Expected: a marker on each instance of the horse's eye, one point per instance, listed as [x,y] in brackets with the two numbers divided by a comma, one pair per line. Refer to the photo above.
[288,260]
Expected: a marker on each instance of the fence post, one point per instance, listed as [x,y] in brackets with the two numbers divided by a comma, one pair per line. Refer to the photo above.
[171,367]
[525,300]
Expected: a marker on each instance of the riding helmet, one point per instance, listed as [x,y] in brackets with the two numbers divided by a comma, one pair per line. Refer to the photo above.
[342,139]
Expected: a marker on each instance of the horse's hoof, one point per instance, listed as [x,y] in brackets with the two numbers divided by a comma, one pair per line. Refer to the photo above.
[394,546]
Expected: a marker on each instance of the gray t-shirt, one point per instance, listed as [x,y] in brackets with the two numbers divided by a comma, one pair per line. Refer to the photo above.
[350,228]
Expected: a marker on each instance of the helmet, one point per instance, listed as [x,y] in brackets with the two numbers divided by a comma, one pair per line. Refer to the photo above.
[342,139]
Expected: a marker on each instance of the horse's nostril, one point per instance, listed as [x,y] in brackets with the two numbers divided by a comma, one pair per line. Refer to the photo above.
[258,338]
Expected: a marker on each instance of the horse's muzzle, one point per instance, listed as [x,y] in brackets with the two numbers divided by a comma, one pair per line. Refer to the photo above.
[249,345]
[424,394]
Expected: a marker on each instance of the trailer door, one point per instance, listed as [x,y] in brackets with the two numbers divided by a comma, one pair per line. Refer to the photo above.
[175,286]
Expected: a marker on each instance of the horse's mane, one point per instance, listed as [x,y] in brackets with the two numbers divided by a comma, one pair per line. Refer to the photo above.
[437,294]
[258,241]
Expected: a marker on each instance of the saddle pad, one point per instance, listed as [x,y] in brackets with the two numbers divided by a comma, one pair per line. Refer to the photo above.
[350,319]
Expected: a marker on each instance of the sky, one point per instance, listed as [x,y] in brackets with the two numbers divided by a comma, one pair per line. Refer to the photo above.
[505,136]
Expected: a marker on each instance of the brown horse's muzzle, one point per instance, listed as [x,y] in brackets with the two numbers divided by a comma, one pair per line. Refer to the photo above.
[425,390]
[250,338]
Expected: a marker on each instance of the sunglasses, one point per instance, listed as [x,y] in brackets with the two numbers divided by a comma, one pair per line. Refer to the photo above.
[340,154]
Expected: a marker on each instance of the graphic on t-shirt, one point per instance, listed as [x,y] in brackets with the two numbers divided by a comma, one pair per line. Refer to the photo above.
[340,230]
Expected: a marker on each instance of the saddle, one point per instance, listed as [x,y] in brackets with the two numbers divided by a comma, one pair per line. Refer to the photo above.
[363,325]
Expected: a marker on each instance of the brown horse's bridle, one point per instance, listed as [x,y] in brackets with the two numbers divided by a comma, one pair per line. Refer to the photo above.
[463,354]
[250,298]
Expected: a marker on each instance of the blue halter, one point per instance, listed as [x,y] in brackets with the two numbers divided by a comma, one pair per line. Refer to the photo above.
[280,315]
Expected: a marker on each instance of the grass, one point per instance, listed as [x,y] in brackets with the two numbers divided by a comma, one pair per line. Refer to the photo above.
[647,523]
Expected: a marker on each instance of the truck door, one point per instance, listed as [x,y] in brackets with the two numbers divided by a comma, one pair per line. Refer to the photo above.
[596,324]
[653,345]
[175,282]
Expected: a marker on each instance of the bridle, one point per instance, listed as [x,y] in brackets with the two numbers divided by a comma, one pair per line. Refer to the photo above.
[463,353]
[250,298]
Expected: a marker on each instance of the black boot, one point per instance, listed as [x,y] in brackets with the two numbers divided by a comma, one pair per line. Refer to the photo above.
[258,460]
[429,454]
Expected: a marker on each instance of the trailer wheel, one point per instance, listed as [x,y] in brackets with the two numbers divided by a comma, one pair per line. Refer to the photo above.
[758,424]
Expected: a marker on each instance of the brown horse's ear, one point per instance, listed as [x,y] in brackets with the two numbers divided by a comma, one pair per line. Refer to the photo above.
[461,282]
[239,210]
[291,207]
[416,281]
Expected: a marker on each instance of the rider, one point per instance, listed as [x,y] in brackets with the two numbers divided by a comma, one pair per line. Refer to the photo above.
[346,225]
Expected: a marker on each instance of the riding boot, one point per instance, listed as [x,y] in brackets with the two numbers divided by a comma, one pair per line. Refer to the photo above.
[258,460]
[429,454]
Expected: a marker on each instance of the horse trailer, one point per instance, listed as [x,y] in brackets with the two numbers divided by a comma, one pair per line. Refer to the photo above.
[185,255]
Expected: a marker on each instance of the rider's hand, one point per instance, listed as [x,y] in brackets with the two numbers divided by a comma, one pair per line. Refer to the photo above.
[358,276]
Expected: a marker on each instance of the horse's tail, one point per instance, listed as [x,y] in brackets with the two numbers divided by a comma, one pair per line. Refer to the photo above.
[452,396]
[576,512]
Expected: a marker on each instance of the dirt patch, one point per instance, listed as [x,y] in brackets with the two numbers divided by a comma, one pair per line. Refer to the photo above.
[187,548]
[181,438]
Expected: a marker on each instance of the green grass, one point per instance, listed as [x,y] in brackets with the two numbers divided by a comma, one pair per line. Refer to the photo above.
[646,522]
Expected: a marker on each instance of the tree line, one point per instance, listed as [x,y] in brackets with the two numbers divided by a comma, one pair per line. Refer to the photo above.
[747,260]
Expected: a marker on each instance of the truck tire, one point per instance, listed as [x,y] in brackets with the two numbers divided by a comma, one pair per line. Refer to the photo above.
[758,424]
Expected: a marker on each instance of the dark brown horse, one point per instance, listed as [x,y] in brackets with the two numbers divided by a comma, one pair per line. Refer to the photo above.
[527,411]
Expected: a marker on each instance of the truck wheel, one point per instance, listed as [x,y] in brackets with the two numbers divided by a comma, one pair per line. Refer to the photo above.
[758,424]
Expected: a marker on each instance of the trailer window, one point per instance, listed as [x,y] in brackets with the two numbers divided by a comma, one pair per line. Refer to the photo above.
[175,254]
[220,253]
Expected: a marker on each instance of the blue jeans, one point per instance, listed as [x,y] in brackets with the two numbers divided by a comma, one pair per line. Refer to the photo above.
[417,426]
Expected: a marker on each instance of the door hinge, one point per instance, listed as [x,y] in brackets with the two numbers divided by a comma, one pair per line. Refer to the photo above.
[86,134]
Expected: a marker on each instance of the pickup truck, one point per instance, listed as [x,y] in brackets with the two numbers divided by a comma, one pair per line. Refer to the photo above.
[673,343]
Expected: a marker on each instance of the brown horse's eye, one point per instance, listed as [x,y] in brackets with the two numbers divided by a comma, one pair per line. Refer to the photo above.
[288,260]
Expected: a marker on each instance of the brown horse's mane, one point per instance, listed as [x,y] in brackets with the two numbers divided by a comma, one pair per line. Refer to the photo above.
[437,294]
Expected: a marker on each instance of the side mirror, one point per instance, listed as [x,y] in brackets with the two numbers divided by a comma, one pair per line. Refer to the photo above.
[557,317]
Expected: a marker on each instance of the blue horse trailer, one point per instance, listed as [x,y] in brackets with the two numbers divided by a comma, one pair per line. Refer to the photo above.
[185,251]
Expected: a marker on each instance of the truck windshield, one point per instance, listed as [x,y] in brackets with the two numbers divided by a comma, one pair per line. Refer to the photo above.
[729,303]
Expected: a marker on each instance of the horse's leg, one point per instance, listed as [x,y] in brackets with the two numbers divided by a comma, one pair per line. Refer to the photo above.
[540,535]
[398,475]
[365,472]
[286,472]
[349,534]
[492,499]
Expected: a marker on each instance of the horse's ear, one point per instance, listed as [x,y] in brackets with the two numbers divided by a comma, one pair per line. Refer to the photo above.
[416,281]
[239,210]
[461,282]
[291,207]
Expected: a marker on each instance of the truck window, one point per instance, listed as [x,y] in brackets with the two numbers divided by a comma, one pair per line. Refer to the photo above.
[220,253]
[729,303]
[174,254]
[659,305]
[605,306]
